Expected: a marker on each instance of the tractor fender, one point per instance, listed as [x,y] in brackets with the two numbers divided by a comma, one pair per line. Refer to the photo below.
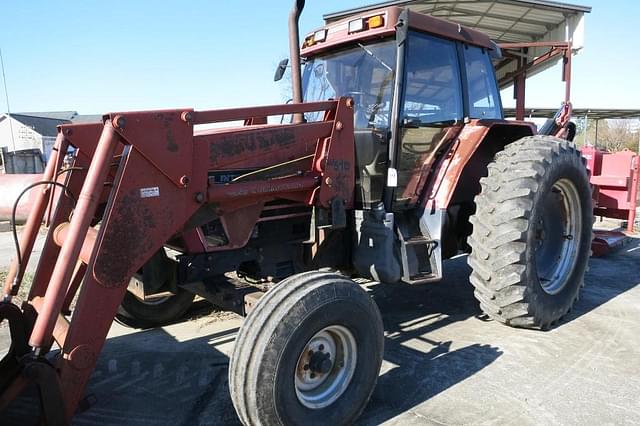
[460,157]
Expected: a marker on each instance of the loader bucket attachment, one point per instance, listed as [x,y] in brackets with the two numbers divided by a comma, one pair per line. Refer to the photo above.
[18,328]
[123,188]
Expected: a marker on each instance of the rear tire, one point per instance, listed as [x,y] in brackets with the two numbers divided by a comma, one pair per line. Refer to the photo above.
[137,313]
[531,232]
[308,353]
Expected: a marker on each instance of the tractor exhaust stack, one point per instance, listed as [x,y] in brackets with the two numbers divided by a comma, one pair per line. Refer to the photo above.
[294,52]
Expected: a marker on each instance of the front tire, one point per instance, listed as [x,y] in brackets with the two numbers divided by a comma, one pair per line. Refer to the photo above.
[308,353]
[531,232]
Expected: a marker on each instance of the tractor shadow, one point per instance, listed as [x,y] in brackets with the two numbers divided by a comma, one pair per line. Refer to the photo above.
[152,377]
[417,365]
[177,375]
[608,277]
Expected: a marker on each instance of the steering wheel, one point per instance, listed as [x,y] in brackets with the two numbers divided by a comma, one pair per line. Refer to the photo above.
[367,108]
[416,148]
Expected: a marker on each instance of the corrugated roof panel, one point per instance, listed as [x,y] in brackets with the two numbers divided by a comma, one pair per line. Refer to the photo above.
[477,6]
[511,37]
[508,10]
[506,38]
[502,23]
[464,19]
[512,6]
[538,29]
[493,34]
[545,15]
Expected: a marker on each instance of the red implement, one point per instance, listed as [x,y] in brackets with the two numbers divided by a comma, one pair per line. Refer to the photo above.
[615,180]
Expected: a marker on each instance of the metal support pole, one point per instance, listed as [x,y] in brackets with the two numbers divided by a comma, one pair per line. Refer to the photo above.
[566,72]
[633,202]
[586,129]
[638,139]
[520,94]
[519,88]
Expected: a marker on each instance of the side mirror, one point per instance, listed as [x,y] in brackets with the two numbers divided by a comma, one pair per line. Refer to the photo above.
[282,67]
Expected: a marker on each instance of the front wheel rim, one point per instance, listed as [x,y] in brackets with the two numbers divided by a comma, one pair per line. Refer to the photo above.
[557,235]
[325,367]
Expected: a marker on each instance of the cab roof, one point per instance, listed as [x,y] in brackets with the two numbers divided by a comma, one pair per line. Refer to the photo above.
[337,33]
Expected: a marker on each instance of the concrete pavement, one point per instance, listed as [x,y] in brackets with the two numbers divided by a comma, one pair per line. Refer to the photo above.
[444,362]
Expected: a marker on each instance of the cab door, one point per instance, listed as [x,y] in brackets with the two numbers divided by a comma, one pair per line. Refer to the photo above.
[431,114]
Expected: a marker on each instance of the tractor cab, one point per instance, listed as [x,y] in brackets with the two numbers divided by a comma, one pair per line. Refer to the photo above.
[415,80]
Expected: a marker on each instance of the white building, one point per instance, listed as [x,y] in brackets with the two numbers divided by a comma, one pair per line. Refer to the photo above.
[36,130]
[31,130]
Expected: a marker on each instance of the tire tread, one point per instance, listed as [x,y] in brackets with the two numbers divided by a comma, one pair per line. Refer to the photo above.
[500,226]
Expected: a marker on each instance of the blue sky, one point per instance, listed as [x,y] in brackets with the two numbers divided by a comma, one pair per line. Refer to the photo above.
[95,57]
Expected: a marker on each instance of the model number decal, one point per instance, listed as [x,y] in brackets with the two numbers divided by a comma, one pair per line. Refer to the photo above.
[150,192]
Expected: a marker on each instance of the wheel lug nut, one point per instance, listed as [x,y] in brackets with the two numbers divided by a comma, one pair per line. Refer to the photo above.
[321,347]
[306,367]
[313,376]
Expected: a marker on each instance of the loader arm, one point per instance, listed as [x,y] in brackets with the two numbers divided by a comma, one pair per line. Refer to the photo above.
[142,177]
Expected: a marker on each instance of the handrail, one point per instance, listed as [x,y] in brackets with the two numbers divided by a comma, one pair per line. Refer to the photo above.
[216,116]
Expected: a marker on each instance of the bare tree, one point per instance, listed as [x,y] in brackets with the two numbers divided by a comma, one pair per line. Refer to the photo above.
[613,134]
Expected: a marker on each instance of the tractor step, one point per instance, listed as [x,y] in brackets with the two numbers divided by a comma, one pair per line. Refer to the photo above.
[420,240]
[422,278]
[417,264]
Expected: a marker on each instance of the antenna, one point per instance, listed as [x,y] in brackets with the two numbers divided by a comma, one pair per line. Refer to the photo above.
[6,94]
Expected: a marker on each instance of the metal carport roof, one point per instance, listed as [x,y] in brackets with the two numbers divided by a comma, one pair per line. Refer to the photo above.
[503,20]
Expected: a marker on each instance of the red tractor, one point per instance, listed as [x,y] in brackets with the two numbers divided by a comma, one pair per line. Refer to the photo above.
[399,158]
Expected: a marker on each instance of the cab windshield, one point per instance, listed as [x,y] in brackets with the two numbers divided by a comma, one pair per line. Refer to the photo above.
[364,72]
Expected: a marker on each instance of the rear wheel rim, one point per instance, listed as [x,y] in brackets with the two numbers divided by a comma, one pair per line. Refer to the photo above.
[325,367]
[557,235]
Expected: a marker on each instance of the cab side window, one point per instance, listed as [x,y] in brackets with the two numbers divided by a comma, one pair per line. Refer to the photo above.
[433,91]
[432,101]
[484,98]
